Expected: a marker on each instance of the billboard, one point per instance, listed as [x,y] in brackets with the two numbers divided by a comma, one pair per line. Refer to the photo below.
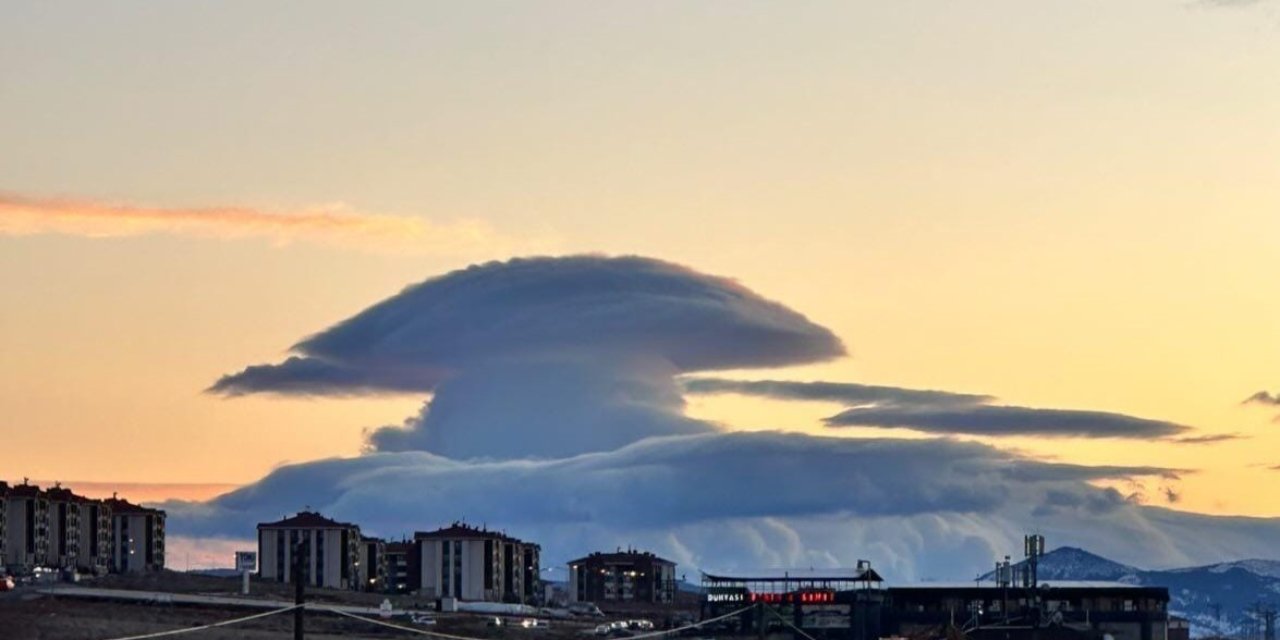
[246,561]
[824,616]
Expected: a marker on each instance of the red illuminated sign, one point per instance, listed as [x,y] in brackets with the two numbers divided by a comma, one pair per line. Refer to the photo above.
[802,597]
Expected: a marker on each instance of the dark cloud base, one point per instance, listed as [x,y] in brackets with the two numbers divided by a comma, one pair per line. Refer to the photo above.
[724,500]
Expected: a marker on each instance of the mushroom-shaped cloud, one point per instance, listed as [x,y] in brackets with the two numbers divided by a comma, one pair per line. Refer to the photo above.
[544,356]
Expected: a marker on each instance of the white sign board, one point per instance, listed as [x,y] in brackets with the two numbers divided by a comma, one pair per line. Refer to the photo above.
[246,561]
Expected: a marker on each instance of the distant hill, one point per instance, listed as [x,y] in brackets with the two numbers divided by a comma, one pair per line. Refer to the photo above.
[1217,599]
[1071,563]
[215,573]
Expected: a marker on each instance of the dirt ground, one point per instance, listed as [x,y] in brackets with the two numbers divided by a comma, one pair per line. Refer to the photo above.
[26,615]
[51,618]
[46,618]
[178,582]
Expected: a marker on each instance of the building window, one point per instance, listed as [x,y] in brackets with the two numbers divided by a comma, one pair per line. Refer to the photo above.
[279,535]
[446,569]
[488,564]
[457,568]
[319,537]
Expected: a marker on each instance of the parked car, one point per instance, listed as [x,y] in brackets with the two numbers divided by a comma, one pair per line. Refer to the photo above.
[422,619]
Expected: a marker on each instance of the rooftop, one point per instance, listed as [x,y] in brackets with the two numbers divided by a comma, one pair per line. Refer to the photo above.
[1044,584]
[630,555]
[307,520]
[25,490]
[799,576]
[462,530]
[62,494]
[122,506]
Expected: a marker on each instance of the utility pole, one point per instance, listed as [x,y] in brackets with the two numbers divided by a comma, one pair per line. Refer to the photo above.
[300,551]
[1264,615]
[761,623]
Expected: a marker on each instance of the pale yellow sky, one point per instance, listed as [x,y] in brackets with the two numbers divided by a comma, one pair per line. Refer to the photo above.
[1063,204]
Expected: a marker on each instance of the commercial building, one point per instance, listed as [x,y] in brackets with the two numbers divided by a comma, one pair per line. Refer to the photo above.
[26,528]
[328,552]
[858,607]
[1121,611]
[476,564]
[137,536]
[826,605]
[622,576]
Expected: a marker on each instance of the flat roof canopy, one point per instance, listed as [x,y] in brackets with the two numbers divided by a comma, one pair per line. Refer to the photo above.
[800,580]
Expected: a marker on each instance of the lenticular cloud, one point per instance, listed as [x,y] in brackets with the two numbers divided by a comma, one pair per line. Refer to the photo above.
[556,409]
[544,356]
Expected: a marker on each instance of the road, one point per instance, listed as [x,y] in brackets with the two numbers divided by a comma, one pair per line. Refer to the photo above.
[70,591]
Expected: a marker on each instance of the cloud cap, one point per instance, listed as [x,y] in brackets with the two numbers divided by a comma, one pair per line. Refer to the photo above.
[594,306]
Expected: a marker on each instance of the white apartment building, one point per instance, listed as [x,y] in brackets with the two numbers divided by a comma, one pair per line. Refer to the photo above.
[26,534]
[476,564]
[330,551]
[137,537]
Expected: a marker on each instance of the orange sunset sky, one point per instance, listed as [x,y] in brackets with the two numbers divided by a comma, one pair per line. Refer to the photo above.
[1069,204]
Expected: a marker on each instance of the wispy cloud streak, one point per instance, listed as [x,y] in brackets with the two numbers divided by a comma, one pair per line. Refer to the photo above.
[1266,399]
[334,225]
[945,412]
[1212,438]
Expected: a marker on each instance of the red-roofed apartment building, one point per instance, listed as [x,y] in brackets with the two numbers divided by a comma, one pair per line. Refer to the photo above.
[623,576]
[474,564]
[137,537]
[26,528]
[331,551]
[79,532]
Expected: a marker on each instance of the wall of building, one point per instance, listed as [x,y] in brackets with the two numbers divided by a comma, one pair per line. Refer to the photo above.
[4,525]
[64,534]
[27,535]
[473,569]
[128,535]
[332,559]
[95,538]
[637,577]
[137,541]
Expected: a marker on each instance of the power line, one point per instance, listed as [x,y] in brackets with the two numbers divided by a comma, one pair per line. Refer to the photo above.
[224,623]
[447,636]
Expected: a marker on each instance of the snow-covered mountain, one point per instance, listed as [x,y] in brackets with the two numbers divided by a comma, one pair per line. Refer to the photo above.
[1268,568]
[1218,599]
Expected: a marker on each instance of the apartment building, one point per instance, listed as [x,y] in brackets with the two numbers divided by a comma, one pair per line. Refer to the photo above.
[64,527]
[476,564]
[402,567]
[4,521]
[373,562]
[328,551]
[137,536]
[26,527]
[95,537]
[622,576]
